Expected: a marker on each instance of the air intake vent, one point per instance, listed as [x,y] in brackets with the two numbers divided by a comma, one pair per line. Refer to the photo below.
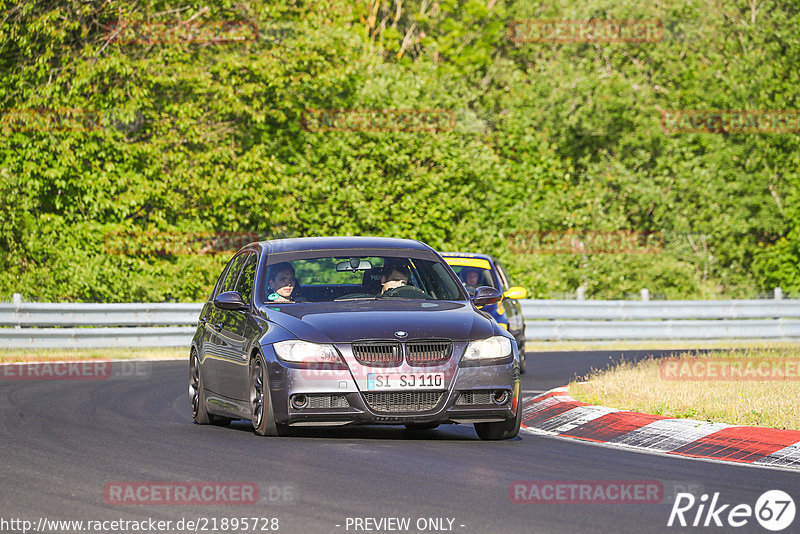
[480,396]
[327,401]
[403,402]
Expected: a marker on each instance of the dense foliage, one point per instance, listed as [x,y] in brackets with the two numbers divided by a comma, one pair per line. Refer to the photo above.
[191,138]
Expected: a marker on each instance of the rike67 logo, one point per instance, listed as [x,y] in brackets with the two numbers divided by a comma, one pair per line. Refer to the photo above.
[774,510]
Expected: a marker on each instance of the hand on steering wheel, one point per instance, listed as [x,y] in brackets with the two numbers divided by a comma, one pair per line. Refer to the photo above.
[407,292]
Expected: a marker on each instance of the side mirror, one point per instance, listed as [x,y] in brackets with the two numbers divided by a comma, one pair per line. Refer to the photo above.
[516,292]
[486,295]
[230,300]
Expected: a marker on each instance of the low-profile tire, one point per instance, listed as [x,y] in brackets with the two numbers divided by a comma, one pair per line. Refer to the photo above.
[197,394]
[261,411]
[523,361]
[502,429]
[421,426]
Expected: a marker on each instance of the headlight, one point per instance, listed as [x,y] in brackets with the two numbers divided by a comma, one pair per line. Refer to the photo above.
[491,348]
[297,351]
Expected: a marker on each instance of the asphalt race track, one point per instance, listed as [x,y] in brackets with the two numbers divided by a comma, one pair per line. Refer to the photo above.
[63,441]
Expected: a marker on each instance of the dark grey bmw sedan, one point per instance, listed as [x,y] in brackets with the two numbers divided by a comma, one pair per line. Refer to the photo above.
[328,331]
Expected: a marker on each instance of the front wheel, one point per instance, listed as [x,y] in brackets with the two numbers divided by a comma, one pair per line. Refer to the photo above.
[502,429]
[262,414]
[197,395]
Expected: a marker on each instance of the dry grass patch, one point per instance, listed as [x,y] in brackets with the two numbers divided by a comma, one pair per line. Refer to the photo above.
[754,401]
[46,355]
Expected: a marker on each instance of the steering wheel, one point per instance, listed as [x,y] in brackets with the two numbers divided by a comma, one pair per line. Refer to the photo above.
[409,292]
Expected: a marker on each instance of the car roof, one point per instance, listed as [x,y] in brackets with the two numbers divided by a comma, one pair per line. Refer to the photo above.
[345,242]
[467,255]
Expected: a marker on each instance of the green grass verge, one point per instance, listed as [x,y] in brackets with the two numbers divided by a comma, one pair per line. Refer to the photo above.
[761,391]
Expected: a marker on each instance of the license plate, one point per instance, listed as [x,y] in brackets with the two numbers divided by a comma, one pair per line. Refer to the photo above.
[394,381]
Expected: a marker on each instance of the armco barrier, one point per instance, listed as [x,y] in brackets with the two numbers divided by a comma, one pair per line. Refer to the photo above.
[74,338]
[52,314]
[622,310]
[51,325]
[568,320]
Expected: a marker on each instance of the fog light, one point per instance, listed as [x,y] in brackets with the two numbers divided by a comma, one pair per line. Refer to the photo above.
[500,396]
[299,402]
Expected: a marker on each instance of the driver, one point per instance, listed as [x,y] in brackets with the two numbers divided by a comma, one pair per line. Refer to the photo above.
[394,276]
[471,278]
[281,282]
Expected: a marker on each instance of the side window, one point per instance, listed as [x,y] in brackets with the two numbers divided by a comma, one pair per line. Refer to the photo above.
[233,272]
[221,279]
[502,275]
[245,283]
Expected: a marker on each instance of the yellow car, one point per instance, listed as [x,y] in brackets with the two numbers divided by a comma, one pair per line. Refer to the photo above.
[477,270]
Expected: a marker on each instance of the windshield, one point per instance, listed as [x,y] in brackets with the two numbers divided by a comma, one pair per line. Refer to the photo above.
[344,278]
[472,277]
[473,272]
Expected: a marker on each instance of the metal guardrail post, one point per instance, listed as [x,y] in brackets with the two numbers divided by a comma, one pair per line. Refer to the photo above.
[16,298]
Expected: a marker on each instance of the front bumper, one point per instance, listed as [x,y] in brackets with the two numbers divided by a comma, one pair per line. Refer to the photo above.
[346,388]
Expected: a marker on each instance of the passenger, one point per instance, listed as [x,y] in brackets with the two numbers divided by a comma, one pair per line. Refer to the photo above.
[281,282]
[394,276]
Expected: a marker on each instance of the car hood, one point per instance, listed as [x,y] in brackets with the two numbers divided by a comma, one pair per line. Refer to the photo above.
[343,322]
